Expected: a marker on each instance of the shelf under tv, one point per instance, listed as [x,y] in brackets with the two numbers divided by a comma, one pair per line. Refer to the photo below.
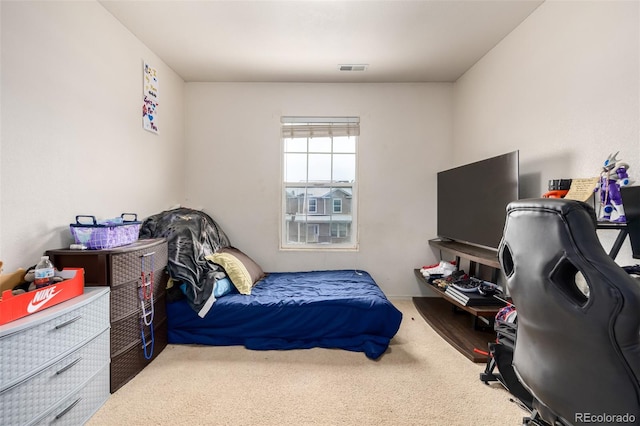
[466,328]
[484,256]
[457,324]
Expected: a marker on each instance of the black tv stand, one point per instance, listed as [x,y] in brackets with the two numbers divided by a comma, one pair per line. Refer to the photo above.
[458,324]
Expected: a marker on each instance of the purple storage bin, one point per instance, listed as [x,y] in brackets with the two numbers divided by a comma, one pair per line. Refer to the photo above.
[105,235]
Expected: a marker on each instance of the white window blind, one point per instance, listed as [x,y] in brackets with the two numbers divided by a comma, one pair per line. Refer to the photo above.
[310,127]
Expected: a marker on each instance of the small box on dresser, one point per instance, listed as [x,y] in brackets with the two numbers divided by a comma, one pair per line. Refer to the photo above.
[55,363]
[137,313]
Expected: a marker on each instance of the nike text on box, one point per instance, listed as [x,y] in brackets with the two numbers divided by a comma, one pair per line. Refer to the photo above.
[15,307]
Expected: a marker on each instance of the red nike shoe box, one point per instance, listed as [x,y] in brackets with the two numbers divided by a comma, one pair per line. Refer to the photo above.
[15,307]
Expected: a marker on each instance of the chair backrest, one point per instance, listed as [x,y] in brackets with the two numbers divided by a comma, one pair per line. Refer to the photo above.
[577,351]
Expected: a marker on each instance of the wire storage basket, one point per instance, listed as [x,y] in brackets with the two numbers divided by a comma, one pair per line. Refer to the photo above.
[106,234]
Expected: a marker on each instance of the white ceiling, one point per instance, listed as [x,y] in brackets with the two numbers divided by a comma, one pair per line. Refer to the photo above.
[305,41]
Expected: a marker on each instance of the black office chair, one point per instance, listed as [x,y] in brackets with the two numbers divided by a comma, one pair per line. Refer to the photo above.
[577,350]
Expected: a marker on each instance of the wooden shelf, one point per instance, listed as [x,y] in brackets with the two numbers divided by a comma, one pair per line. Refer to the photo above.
[476,254]
[457,323]
[488,311]
[456,327]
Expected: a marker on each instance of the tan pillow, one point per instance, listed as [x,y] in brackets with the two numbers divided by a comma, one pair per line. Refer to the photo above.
[243,272]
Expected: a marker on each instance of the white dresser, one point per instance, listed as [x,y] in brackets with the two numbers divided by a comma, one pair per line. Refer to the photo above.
[55,363]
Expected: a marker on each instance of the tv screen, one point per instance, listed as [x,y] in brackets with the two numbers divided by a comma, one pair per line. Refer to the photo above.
[472,200]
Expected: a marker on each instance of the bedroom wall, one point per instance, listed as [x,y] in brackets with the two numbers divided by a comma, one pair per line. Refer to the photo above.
[233,152]
[563,88]
[71,127]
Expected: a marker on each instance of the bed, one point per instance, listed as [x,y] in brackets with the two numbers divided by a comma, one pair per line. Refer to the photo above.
[220,296]
[294,310]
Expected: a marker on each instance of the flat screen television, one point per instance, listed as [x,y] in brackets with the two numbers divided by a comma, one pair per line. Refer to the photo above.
[472,200]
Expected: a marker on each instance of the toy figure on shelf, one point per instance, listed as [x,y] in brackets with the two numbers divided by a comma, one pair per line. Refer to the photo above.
[613,176]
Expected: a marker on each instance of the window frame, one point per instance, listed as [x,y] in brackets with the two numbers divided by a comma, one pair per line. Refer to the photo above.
[340,228]
[315,205]
[333,205]
[351,188]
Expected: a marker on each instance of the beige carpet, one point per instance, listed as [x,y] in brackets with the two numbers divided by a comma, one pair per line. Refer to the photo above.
[420,380]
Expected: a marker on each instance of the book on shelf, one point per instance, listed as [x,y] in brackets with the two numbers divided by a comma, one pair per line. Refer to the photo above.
[472,298]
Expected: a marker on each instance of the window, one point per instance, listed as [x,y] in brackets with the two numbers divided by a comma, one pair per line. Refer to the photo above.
[339,230]
[337,205]
[313,205]
[319,182]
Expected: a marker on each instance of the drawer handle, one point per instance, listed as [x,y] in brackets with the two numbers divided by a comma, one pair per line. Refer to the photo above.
[66,410]
[66,323]
[65,368]
[148,254]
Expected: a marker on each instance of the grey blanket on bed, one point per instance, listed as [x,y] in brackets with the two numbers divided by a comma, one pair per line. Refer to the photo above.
[191,235]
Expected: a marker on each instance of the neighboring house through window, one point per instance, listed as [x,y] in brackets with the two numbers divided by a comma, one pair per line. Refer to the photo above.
[319,182]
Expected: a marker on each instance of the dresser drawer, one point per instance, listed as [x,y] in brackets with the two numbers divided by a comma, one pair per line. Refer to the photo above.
[130,362]
[31,348]
[125,298]
[127,330]
[79,407]
[46,388]
[127,266]
[99,265]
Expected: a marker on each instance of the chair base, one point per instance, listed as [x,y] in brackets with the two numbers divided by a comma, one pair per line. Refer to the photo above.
[536,420]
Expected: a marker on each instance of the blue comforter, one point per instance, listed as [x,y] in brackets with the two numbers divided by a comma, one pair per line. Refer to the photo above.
[295,310]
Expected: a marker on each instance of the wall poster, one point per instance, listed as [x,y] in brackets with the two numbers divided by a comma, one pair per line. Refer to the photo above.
[150,103]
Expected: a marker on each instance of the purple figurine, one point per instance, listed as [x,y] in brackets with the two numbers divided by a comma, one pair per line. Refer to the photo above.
[613,176]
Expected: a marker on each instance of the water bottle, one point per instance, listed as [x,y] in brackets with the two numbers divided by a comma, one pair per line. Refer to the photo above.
[44,272]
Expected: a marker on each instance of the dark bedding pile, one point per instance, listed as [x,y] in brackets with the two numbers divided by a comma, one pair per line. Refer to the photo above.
[191,235]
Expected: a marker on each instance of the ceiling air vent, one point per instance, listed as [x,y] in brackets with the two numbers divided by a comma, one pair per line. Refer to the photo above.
[352,67]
